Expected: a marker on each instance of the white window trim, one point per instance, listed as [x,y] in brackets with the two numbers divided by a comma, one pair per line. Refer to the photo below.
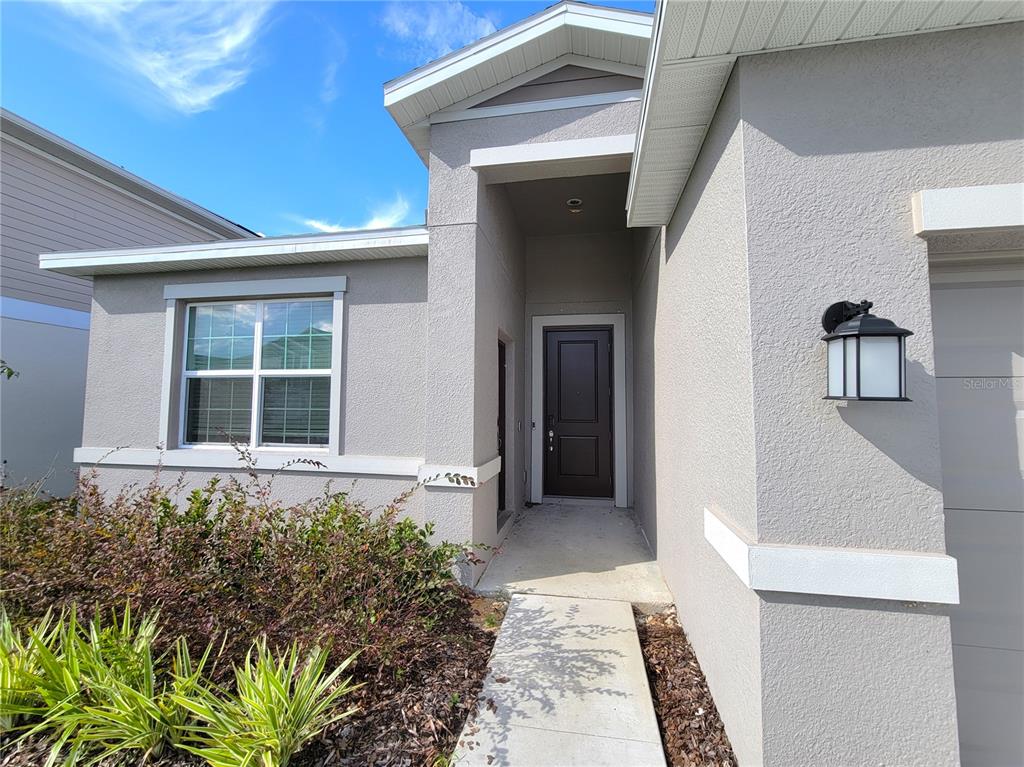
[178,299]
[619,437]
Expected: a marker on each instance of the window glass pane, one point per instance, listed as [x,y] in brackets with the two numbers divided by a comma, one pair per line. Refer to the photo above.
[296,411]
[220,337]
[218,410]
[297,335]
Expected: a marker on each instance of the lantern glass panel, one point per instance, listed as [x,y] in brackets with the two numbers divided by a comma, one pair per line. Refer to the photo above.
[880,362]
[851,367]
[835,368]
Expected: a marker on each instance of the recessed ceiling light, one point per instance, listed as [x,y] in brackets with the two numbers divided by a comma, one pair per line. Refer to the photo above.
[575,205]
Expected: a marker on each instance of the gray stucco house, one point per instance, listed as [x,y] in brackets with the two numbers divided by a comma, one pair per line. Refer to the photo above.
[635,225]
[57,196]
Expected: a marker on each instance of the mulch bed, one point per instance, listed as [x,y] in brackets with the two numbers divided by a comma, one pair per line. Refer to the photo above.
[691,730]
[406,722]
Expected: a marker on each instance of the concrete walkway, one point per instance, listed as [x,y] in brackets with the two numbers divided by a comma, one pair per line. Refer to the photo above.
[566,686]
[574,550]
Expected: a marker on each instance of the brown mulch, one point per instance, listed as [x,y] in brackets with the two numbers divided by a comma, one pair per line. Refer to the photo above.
[691,730]
[413,720]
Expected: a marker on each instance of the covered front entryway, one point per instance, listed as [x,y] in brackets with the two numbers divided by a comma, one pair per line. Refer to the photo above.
[577,549]
[978,310]
[579,407]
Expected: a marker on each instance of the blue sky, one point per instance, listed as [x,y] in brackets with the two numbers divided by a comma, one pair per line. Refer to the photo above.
[270,114]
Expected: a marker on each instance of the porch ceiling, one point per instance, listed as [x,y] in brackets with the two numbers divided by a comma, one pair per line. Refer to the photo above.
[541,210]
[696,42]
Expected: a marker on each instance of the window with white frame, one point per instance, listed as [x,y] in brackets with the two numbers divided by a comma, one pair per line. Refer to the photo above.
[258,372]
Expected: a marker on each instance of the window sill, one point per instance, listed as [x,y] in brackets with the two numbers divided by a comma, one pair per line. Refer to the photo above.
[265,459]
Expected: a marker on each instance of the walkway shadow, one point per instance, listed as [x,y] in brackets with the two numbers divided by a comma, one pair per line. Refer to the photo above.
[552,669]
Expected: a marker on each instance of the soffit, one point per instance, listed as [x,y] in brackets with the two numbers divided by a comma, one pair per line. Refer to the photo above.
[695,43]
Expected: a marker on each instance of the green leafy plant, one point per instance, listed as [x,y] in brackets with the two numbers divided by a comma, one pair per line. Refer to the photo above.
[102,694]
[19,664]
[276,708]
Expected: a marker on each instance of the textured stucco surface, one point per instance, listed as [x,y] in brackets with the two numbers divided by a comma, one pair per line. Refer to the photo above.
[834,147]
[288,488]
[695,439]
[477,295]
[801,197]
[383,363]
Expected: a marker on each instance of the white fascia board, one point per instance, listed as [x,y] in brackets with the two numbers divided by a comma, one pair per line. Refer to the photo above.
[548,151]
[203,458]
[860,573]
[968,209]
[83,262]
[564,14]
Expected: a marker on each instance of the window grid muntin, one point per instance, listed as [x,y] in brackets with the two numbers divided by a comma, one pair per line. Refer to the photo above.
[256,373]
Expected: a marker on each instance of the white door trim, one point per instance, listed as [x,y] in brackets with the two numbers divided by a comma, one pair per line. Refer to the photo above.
[618,323]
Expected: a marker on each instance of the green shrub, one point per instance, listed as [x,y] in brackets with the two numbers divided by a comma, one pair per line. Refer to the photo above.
[276,708]
[230,562]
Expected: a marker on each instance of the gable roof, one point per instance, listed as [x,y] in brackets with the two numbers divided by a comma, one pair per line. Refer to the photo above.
[574,32]
[696,42]
[20,129]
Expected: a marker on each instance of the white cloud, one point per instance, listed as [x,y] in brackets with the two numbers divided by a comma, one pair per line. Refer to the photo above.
[192,52]
[432,29]
[385,216]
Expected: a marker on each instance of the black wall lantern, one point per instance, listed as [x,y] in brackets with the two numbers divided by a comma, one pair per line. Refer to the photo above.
[866,354]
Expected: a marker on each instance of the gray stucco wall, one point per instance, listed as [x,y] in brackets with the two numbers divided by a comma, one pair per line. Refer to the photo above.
[801,197]
[383,364]
[695,430]
[477,294]
[836,140]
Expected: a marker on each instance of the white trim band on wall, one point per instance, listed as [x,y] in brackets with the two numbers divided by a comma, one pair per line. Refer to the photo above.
[865,573]
[432,475]
[968,209]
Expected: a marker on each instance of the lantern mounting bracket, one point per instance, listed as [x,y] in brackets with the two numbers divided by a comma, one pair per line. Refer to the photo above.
[841,311]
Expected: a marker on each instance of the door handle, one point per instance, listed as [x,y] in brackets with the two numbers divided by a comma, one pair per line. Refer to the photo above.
[551,440]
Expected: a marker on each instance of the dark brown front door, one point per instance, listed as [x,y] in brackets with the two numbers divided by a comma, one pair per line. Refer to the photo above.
[578,412]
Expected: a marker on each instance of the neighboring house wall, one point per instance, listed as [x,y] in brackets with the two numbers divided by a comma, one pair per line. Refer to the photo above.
[476,293]
[695,428]
[49,204]
[383,368]
[804,187]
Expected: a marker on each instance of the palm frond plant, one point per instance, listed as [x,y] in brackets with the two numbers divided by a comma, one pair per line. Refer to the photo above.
[276,708]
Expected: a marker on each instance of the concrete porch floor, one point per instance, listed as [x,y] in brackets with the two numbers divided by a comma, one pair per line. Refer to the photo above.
[576,550]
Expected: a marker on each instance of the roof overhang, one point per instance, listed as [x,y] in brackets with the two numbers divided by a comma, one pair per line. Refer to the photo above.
[696,42]
[364,245]
[573,32]
[41,140]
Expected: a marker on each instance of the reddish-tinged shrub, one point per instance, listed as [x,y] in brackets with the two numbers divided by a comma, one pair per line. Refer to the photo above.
[230,564]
